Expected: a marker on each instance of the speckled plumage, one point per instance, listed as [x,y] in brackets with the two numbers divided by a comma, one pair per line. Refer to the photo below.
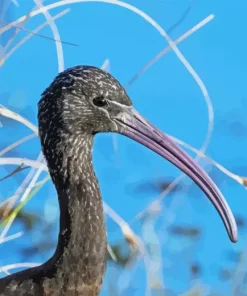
[81,102]
[67,123]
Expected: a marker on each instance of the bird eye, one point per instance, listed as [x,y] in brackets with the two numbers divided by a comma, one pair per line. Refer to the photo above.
[100,101]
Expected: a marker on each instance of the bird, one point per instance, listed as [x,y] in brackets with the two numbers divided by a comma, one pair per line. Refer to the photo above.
[81,102]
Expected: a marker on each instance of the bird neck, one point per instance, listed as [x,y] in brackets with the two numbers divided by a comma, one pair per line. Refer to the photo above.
[81,252]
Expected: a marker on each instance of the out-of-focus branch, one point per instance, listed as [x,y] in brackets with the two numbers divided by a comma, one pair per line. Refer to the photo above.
[15,33]
[22,161]
[133,240]
[15,116]
[6,268]
[31,34]
[56,35]
[17,143]
[10,237]
[155,59]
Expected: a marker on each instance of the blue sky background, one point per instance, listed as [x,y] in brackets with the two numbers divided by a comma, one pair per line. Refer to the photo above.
[168,96]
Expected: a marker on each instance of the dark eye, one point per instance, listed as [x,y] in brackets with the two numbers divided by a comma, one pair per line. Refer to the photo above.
[100,101]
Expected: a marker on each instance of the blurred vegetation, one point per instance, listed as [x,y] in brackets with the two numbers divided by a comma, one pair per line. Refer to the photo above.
[28,219]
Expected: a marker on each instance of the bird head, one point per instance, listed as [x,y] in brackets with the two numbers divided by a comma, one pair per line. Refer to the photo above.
[88,100]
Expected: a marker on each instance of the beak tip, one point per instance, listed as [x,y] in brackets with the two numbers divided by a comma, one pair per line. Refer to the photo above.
[234,236]
[145,133]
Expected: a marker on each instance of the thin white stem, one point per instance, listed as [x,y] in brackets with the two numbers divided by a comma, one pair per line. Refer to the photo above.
[128,233]
[7,201]
[15,33]
[4,9]
[33,181]
[54,29]
[212,161]
[18,265]
[22,161]
[110,251]
[30,35]
[17,143]
[15,116]
[15,2]
[106,65]
[67,2]
[10,237]
[26,186]
[168,48]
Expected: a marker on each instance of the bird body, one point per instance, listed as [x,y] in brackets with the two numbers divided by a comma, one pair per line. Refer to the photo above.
[81,102]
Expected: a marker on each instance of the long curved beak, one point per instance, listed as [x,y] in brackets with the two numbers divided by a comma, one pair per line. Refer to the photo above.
[134,126]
